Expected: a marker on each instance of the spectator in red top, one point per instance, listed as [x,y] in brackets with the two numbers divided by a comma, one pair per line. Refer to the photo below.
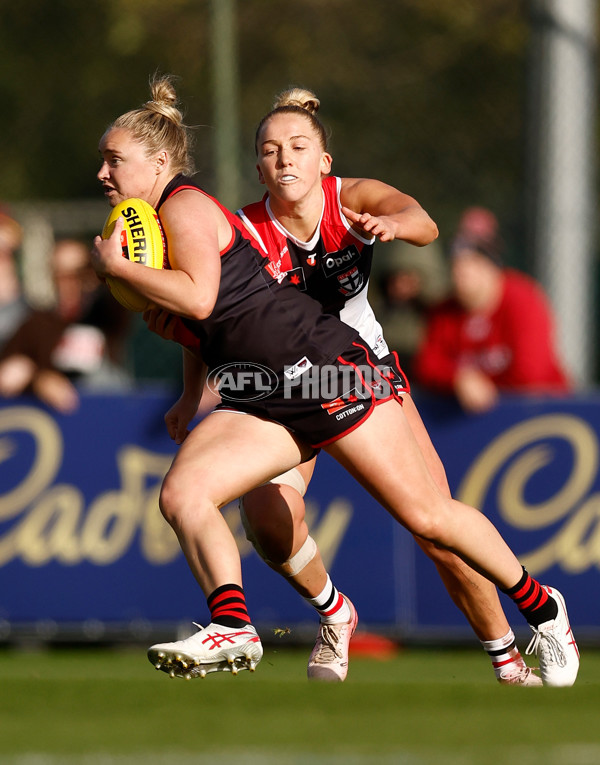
[495,333]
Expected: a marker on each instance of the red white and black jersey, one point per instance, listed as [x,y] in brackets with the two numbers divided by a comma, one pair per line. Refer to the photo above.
[257,319]
[333,267]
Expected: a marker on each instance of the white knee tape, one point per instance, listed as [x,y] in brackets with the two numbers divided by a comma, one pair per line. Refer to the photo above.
[301,559]
[291,478]
[294,479]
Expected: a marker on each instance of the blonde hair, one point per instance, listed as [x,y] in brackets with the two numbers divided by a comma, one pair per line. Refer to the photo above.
[158,125]
[301,97]
[297,101]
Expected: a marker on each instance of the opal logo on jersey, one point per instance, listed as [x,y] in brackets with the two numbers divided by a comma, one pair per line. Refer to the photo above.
[242,381]
[334,262]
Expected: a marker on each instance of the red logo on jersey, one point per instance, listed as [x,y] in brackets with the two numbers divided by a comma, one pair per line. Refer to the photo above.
[296,277]
[351,282]
[341,402]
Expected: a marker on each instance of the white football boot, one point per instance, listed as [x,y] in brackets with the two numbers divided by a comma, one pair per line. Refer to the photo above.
[212,649]
[554,645]
[329,658]
[521,675]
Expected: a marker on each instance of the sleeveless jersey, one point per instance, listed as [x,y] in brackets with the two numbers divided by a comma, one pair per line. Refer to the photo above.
[333,267]
[258,320]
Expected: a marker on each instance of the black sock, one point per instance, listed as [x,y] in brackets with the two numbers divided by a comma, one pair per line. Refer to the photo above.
[533,600]
[228,606]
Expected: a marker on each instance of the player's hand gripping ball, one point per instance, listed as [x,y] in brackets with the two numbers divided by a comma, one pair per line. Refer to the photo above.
[142,241]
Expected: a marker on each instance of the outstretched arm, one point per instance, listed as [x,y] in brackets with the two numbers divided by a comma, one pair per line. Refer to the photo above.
[385,212]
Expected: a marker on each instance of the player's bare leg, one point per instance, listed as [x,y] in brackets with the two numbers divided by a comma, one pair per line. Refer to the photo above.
[275,523]
[273,516]
[216,463]
[474,595]
[409,493]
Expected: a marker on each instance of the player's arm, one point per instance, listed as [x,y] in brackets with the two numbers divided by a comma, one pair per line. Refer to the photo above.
[196,230]
[186,407]
[385,212]
[169,326]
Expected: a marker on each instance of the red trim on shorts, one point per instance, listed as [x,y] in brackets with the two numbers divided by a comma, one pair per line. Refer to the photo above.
[374,366]
[394,393]
[322,444]
[406,388]
[375,401]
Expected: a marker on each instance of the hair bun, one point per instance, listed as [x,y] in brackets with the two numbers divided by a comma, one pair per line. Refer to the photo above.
[164,98]
[305,99]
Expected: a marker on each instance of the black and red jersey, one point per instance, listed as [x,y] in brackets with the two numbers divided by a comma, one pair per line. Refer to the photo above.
[257,319]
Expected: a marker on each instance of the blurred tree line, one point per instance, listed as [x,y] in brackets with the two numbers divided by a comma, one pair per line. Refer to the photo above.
[428,95]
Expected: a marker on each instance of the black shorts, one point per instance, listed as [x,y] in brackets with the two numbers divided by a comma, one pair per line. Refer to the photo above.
[320,405]
[390,365]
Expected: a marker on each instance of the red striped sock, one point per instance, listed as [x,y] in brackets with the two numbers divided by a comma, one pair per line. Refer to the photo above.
[533,600]
[228,606]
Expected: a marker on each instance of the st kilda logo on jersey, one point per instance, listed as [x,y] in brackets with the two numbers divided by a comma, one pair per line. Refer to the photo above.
[351,282]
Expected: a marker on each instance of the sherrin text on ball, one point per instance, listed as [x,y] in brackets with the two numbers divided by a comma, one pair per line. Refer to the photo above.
[142,241]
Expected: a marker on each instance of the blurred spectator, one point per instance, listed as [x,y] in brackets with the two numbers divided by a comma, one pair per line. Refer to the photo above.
[408,280]
[12,303]
[496,332]
[79,341]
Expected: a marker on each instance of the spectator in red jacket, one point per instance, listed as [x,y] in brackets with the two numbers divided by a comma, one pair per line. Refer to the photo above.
[495,333]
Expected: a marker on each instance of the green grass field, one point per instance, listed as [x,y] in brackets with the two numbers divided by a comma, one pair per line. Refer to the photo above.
[95,707]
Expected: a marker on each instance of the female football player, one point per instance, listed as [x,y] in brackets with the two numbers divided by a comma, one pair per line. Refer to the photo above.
[237,314]
[318,231]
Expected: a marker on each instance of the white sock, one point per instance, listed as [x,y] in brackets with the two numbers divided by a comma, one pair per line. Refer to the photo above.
[331,605]
[504,654]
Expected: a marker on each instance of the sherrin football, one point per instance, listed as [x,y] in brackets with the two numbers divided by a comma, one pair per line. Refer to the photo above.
[142,241]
